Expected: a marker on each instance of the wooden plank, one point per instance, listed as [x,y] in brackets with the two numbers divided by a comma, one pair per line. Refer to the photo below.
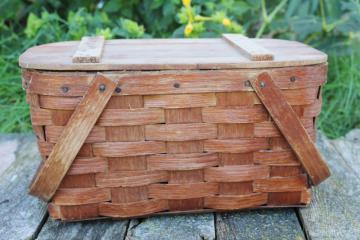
[249,48]
[156,54]
[89,50]
[180,132]
[72,138]
[291,127]
[100,229]
[259,224]
[334,212]
[163,82]
[193,227]
[21,215]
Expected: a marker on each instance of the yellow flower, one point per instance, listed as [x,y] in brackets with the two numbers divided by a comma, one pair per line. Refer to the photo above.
[188,29]
[226,22]
[186,3]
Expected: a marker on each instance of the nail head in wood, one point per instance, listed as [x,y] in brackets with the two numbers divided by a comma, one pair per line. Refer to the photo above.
[102,87]
[118,90]
[292,78]
[65,89]
[176,85]
[247,83]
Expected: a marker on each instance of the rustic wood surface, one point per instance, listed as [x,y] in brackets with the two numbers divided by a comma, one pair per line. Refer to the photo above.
[156,54]
[290,125]
[51,172]
[333,213]
[248,47]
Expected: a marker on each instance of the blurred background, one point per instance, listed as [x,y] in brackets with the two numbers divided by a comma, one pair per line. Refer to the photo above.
[329,25]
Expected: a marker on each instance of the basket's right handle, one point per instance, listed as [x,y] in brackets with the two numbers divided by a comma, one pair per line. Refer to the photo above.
[249,48]
[291,127]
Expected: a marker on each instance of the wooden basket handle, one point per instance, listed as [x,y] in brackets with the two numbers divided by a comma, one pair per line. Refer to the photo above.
[82,121]
[291,127]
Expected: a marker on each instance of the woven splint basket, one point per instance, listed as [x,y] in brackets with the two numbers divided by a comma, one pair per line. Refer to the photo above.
[138,127]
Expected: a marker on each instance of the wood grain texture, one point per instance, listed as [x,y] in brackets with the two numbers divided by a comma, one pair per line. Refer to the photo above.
[291,127]
[180,132]
[142,83]
[89,50]
[248,47]
[79,196]
[155,54]
[182,191]
[125,149]
[241,173]
[234,115]
[21,214]
[64,152]
[182,161]
[281,184]
[276,158]
[259,224]
[88,165]
[242,145]
[141,208]
[131,117]
[236,202]
[130,178]
[334,212]
[180,100]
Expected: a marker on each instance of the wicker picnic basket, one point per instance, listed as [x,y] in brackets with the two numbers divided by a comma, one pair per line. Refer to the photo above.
[139,127]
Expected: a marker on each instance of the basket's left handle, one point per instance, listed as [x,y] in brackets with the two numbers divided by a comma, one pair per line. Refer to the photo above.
[82,121]
[291,127]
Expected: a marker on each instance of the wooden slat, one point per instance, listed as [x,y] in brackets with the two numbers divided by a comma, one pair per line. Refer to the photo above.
[129,194]
[180,100]
[276,158]
[143,83]
[156,54]
[241,173]
[291,127]
[180,132]
[78,196]
[242,145]
[130,178]
[182,161]
[334,212]
[236,202]
[131,117]
[125,149]
[89,50]
[249,48]
[53,134]
[88,165]
[124,210]
[72,138]
[259,224]
[234,115]
[21,214]
[281,184]
[182,191]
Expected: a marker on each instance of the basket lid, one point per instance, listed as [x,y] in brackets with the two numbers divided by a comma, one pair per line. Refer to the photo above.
[231,51]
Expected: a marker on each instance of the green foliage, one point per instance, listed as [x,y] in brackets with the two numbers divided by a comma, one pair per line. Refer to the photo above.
[332,26]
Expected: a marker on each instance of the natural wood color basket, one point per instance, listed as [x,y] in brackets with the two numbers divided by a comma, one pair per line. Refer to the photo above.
[206,134]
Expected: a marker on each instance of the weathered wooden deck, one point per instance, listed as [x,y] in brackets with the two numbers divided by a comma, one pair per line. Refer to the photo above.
[333,214]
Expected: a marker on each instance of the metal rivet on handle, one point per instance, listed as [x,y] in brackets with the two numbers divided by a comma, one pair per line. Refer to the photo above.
[118,90]
[292,78]
[65,89]
[102,87]
[262,84]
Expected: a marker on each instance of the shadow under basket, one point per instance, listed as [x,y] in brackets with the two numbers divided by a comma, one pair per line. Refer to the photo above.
[130,128]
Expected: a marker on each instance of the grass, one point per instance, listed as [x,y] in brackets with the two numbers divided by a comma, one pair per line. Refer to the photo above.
[341,96]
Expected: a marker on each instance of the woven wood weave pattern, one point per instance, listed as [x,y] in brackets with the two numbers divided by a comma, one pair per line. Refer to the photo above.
[177,148]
